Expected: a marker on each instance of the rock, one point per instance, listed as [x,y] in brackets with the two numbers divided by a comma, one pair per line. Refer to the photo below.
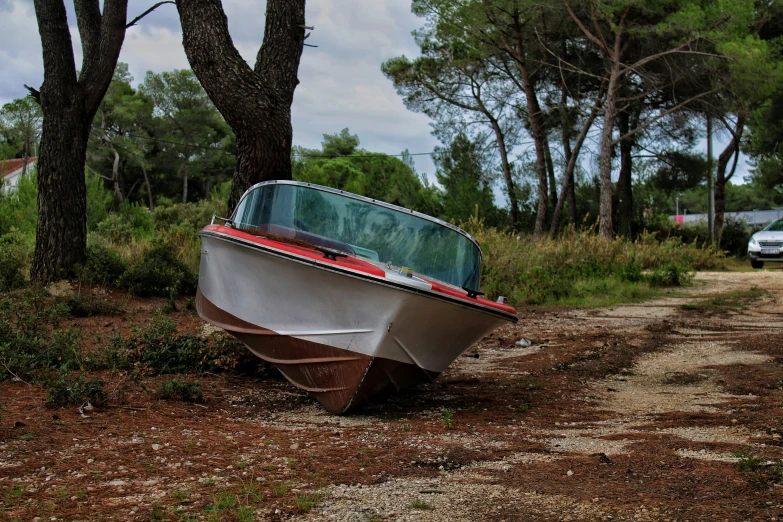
[157,447]
[569,473]
[523,343]
[294,446]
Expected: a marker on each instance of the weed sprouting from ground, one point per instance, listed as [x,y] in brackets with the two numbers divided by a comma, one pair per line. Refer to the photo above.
[305,502]
[447,417]
[420,504]
[180,390]
[280,488]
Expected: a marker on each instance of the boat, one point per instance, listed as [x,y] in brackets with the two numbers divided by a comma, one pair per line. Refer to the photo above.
[350,298]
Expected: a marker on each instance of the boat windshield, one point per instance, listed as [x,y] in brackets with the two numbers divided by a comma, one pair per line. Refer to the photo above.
[362,229]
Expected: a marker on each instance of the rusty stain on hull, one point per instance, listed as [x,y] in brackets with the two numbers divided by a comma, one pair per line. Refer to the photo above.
[339,379]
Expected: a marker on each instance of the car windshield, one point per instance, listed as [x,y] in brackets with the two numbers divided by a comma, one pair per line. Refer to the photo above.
[362,229]
[775,226]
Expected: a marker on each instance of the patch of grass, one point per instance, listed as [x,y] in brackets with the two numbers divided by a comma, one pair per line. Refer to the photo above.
[531,270]
[420,504]
[252,492]
[13,494]
[180,390]
[90,305]
[280,488]
[728,301]
[305,502]
[180,496]
[246,514]
[447,417]
[224,500]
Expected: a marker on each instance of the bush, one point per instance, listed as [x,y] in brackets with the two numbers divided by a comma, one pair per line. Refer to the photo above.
[115,229]
[30,342]
[179,390]
[670,274]
[160,274]
[537,270]
[13,261]
[104,265]
[194,215]
[74,391]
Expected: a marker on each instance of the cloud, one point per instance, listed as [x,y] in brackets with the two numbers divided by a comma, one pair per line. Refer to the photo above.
[341,82]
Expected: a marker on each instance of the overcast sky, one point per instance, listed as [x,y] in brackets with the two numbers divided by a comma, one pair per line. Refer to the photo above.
[341,81]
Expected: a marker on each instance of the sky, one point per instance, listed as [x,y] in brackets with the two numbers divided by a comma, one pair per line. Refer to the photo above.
[341,84]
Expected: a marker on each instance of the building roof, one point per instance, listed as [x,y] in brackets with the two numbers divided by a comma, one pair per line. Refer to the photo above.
[9,167]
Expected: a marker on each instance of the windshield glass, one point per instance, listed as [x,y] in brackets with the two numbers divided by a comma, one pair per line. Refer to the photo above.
[361,229]
[775,226]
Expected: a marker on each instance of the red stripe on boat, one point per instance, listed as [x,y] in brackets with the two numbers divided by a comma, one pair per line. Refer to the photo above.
[354,264]
[461,294]
[345,262]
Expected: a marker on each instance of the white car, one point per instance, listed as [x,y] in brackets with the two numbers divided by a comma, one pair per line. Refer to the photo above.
[766,245]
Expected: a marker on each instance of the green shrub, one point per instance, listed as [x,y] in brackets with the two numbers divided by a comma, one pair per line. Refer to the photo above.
[194,215]
[31,342]
[670,274]
[74,391]
[104,265]
[159,273]
[181,390]
[164,351]
[13,261]
[115,229]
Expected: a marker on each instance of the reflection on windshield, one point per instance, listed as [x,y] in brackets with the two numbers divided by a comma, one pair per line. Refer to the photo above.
[775,226]
[361,229]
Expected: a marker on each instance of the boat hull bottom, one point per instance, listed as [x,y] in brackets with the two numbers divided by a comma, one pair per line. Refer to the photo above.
[341,380]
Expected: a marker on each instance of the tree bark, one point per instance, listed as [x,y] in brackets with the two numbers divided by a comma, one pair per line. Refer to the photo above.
[69,105]
[256,102]
[568,175]
[513,214]
[147,182]
[605,158]
[721,178]
[550,167]
[625,180]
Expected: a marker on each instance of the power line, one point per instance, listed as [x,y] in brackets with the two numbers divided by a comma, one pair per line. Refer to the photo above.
[317,155]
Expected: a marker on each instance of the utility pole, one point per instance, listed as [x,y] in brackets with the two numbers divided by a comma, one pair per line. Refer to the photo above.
[710,184]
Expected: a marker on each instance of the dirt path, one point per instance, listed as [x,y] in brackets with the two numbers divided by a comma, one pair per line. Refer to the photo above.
[640,412]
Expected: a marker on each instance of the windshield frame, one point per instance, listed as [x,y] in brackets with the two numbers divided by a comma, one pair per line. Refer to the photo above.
[365,199]
[776,221]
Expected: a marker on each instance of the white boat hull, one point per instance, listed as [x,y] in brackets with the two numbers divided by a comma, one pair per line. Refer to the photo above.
[340,334]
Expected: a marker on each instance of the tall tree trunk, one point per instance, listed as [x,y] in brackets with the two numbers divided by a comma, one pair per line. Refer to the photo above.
[149,187]
[119,198]
[565,133]
[624,187]
[256,102]
[69,105]
[513,214]
[550,167]
[568,175]
[721,178]
[605,158]
[26,155]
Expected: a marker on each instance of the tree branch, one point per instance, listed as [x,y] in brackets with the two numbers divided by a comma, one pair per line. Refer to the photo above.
[148,11]
[34,93]
[663,114]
